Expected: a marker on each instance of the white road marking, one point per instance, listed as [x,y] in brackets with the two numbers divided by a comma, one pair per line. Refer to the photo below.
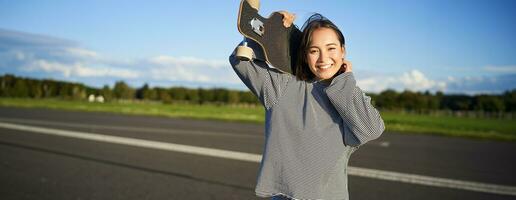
[138,142]
[379,143]
[149,130]
[249,157]
[129,128]
[384,144]
[433,181]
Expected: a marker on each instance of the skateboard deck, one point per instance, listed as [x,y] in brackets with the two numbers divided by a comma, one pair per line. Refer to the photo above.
[279,43]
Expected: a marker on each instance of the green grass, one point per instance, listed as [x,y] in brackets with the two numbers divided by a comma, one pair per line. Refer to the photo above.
[480,128]
[195,111]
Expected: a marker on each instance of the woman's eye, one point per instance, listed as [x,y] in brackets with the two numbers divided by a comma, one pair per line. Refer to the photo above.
[332,49]
[313,51]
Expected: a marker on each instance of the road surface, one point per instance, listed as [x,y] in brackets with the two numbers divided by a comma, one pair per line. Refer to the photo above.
[38,164]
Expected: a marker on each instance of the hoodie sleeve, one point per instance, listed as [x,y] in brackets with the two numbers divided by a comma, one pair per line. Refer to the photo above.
[362,121]
[268,84]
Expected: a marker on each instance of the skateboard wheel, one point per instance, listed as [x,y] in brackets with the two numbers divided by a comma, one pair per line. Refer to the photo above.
[254,4]
[244,53]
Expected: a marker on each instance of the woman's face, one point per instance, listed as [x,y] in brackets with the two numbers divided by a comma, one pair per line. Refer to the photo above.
[325,53]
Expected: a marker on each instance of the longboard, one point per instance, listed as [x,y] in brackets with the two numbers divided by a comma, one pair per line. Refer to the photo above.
[279,44]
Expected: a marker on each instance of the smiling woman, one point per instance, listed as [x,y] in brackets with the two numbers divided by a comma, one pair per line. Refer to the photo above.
[314,120]
[322,51]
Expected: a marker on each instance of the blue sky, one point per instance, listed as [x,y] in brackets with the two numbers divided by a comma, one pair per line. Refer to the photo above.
[454,46]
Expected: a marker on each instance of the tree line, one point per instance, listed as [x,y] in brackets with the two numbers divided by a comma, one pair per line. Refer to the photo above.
[19,87]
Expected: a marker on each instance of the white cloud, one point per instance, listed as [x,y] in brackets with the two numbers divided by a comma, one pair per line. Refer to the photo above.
[413,80]
[501,69]
[193,72]
[417,81]
[83,53]
[75,63]
[188,61]
[78,70]
[83,71]
[175,73]
[49,67]
[375,83]
[191,69]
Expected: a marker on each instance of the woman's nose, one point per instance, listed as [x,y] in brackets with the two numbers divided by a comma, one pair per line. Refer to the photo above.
[322,56]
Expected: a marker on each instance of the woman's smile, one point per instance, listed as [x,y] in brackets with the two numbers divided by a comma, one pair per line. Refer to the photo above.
[324,66]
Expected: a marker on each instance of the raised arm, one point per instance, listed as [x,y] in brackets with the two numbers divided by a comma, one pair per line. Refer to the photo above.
[264,82]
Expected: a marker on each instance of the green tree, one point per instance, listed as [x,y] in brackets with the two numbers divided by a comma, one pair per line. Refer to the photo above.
[49,88]
[107,93]
[457,102]
[140,91]
[123,91]
[178,93]
[509,98]
[408,100]
[6,85]
[79,91]
[388,99]
[489,103]
[233,97]
[20,88]
[205,95]
[35,90]
[163,95]
[150,94]
[220,95]
[193,95]
[248,97]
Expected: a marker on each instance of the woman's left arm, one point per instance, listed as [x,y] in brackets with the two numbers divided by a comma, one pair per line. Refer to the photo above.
[361,119]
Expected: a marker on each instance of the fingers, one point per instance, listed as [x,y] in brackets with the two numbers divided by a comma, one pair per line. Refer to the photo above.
[288,18]
[347,66]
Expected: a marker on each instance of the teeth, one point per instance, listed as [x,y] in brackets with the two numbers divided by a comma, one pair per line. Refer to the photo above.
[325,66]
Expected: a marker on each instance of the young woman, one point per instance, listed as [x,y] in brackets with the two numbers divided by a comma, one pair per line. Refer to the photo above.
[315,119]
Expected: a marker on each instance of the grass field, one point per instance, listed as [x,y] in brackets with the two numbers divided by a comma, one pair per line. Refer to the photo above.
[494,129]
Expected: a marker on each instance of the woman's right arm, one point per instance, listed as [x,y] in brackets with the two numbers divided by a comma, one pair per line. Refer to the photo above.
[266,83]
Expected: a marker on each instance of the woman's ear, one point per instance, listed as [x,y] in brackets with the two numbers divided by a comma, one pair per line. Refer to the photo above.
[343,51]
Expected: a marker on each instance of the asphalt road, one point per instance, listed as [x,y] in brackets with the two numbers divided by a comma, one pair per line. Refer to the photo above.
[41,166]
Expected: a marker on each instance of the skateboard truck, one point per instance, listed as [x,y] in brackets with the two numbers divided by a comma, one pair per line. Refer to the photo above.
[257,26]
[244,52]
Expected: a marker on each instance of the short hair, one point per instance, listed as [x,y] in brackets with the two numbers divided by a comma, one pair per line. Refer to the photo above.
[313,23]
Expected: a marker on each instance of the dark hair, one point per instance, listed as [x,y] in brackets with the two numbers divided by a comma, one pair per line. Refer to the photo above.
[313,23]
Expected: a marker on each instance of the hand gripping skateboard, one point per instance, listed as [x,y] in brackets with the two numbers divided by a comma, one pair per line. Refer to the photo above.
[279,43]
